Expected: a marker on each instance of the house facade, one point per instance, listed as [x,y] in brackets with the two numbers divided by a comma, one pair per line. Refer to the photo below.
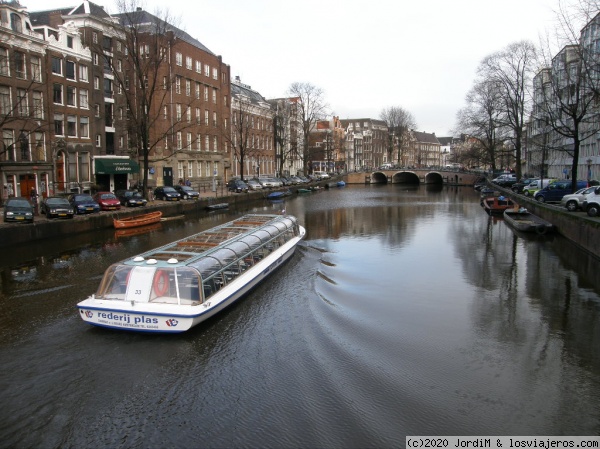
[25,156]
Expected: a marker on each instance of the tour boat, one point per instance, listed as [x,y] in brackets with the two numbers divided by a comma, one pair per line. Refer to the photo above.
[138,220]
[174,287]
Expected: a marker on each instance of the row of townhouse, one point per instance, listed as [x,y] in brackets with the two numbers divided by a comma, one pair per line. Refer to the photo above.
[67,94]
[93,101]
[564,127]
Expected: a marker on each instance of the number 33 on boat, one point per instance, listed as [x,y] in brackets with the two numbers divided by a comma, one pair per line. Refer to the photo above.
[172,288]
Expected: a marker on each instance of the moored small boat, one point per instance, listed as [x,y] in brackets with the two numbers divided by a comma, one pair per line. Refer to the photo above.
[137,220]
[341,183]
[496,204]
[523,220]
[217,206]
[173,288]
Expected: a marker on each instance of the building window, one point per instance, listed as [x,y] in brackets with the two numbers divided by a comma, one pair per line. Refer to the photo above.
[198,118]
[188,114]
[20,70]
[71,126]
[97,82]
[83,73]
[22,103]
[83,98]
[190,169]
[206,70]
[214,119]
[207,144]
[71,96]
[4,66]
[84,127]
[188,63]
[198,67]
[24,147]
[8,141]
[215,75]
[5,103]
[94,37]
[84,166]
[178,111]
[206,117]
[188,87]
[178,59]
[97,110]
[214,96]
[36,69]
[197,91]
[70,70]
[177,84]
[189,141]
[198,142]
[58,92]
[40,147]
[205,93]
[179,142]
[38,104]
[56,65]
[96,59]
[98,140]
[59,125]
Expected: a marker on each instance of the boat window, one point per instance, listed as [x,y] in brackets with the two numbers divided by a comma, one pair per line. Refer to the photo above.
[252,241]
[262,235]
[239,248]
[207,266]
[175,286]
[225,256]
[114,282]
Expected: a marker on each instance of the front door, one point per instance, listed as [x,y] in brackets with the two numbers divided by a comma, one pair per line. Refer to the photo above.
[168,176]
[27,183]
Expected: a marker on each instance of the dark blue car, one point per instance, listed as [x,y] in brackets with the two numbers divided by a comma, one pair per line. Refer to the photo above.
[84,203]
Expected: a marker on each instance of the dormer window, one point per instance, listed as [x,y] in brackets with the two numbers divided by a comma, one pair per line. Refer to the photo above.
[70,41]
[15,23]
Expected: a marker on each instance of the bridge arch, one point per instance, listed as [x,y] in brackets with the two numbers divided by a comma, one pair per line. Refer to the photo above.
[405,177]
[379,177]
[434,178]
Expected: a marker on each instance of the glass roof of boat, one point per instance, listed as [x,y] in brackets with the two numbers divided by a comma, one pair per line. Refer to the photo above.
[223,243]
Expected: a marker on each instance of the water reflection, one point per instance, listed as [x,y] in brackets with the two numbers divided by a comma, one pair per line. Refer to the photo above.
[407,310]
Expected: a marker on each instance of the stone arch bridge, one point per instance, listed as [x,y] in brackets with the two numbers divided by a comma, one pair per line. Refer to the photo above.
[414,176]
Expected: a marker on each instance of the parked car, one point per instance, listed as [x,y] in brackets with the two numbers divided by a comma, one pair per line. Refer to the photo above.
[130,198]
[166,193]
[187,193]
[321,175]
[107,201]
[267,183]
[83,203]
[573,201]
[591,204]
[57,206]
[519,186]
[253,184]
[556,190]
[505,180]
[18,209]
[536,185]
[237,185]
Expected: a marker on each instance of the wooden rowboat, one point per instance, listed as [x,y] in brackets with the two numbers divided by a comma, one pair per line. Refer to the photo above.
[138,220]
[496,204]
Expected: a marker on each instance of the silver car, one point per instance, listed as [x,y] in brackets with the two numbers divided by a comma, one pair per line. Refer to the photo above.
[253,184]
[574,201]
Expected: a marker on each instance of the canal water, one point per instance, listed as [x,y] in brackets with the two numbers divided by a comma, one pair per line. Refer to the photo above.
[406,311]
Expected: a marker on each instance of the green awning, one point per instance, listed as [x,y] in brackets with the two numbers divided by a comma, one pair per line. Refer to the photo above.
[115,166]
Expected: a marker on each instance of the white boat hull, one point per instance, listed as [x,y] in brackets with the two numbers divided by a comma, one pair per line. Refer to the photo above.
[176,318]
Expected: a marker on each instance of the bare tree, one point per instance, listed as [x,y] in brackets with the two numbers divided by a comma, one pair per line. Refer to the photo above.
[399,122]
[568,87]
[147,83]
[481,120]
[240,136]
[511,71]
[312,108]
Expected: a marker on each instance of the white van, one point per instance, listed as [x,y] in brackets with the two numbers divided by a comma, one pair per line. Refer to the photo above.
[321,175]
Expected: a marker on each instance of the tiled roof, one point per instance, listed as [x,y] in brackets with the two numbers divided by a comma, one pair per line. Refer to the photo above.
[425,137]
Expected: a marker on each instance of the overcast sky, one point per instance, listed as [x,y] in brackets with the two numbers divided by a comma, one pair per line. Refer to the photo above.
[366,55]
